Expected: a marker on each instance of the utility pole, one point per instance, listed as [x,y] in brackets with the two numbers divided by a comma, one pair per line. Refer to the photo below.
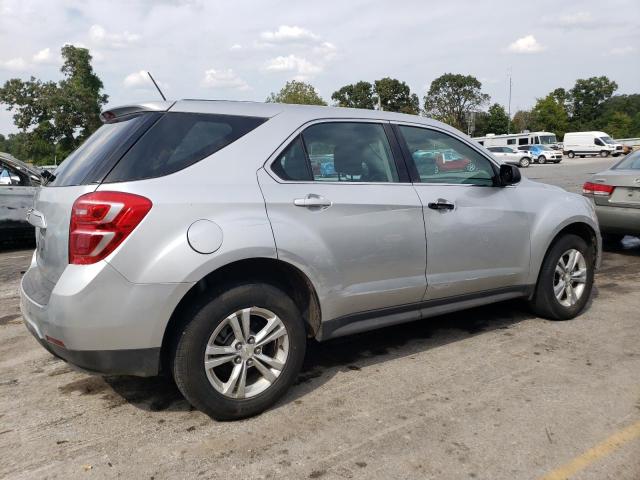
[509,122]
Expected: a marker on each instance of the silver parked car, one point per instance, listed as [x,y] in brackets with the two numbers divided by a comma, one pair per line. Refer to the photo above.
[210,239]
[18,184]
[616,196]
[511,156]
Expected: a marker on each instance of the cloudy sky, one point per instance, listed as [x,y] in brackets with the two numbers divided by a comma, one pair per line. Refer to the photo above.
[246,49]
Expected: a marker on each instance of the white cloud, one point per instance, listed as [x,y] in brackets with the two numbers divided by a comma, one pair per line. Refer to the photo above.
[14,64]
[224,79]
[527,44]
[100,36]
[286,33]
[326,50]
[43,56]
[292,63]
[572,20]
[138,79]
[236,46]
[620,51]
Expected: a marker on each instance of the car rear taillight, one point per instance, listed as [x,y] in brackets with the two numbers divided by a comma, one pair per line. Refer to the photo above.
[597,189]
[100,221]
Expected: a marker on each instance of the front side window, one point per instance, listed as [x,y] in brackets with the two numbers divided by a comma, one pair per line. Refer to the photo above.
[441,158]
[11,177]
[547,139]
[598,142]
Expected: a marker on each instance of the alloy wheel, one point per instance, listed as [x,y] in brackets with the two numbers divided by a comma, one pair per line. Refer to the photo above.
[570,278]
[246,353]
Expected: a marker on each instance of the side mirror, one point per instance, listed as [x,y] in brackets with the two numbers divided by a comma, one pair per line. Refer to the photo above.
[509,175]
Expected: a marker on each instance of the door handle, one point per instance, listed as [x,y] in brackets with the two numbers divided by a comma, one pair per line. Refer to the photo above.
[441,204]
[312,200]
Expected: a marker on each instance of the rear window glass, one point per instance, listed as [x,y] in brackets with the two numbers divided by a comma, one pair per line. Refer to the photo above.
[91,161]
[631,162]
[179,140]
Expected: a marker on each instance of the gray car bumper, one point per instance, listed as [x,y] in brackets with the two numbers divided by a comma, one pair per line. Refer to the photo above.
[97,320]
[619,220]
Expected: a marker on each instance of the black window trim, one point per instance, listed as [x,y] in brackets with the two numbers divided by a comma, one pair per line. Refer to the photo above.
[413,169]
[394,144]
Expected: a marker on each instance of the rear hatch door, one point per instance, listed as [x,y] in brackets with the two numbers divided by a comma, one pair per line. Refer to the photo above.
[80,173]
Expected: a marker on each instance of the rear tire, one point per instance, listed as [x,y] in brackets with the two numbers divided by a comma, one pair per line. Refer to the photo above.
[241,354]
[524,162]
[545,302]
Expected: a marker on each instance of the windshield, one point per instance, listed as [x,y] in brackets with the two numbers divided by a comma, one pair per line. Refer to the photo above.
[631,162]
[548,139]
[607,140]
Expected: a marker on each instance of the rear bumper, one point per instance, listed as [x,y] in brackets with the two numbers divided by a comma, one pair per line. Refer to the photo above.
[144,362]
[95,319]
[619,220]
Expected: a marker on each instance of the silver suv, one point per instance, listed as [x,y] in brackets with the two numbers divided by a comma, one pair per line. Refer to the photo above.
[211,239]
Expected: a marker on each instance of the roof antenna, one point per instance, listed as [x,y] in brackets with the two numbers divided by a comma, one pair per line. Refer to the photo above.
[159,91]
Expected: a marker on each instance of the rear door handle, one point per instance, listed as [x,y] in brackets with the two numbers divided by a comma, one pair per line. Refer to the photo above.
[312,200]
[36,218]
[441,204]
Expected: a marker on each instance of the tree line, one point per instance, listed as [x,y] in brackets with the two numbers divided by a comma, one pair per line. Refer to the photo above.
[458,100]
[53,118]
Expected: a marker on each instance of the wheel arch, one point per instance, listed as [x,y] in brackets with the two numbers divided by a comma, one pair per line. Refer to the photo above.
[268,270]
[582,229]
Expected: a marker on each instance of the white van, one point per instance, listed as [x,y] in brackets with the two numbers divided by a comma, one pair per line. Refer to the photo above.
[590,143]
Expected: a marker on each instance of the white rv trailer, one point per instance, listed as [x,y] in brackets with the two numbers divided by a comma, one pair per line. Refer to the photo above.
[516,140]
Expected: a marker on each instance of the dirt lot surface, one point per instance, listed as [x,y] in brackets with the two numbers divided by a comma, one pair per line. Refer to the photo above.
[489,393]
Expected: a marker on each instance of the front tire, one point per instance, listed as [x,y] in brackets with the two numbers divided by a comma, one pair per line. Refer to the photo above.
[542,159]
[604,153]
[524,162]
[565,280]
[571,155]
[240,351]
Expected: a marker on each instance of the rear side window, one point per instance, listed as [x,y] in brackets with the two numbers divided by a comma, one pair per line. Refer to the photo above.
[179,140]
[292,163]
[630,162]
[92,160]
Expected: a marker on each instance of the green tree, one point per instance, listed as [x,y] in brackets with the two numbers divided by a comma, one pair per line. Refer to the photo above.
[587,99]
[522,120]
[298,93]
[549,115]
[452,96]
[54,118]
[620,125]
[356,95]
[395,96]
[627,104]
[497,120]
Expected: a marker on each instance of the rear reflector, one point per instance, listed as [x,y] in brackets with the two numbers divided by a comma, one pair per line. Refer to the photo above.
[597,189]
[55,341]
[100,221]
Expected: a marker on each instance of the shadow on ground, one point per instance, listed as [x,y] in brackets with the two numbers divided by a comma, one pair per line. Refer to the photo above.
[323,360]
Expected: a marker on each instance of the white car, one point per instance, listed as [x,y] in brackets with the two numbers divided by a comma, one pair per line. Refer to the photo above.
[511,155]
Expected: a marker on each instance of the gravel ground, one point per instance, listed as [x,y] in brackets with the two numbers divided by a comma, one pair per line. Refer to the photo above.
[488,393]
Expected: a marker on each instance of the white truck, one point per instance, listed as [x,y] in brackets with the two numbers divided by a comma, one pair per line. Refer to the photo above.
[590,143]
